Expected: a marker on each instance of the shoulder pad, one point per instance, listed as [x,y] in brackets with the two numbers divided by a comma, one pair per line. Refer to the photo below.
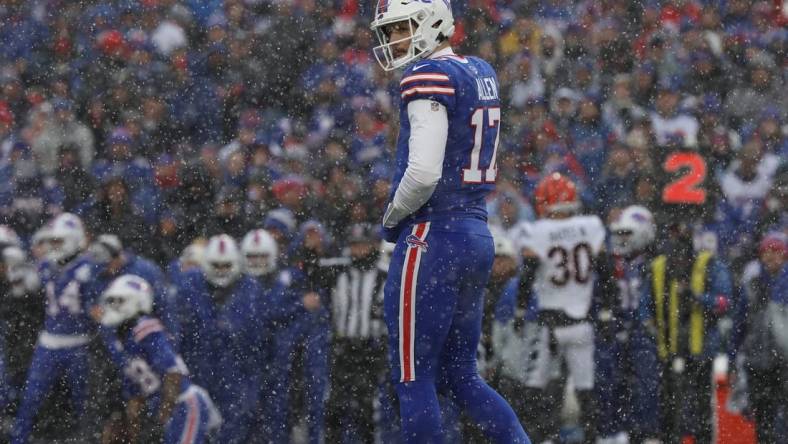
[83,273]
[426,79]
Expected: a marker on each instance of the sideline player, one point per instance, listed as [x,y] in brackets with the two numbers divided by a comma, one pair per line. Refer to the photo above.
[627,379]
[155,376]
[450,117]
[559,257]
[68,276]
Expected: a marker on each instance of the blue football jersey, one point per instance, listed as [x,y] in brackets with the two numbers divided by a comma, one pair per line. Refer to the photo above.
[70,292]
[468,88]
[144,357]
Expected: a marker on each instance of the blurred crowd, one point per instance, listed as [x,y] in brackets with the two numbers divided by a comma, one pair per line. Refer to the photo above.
[165,122]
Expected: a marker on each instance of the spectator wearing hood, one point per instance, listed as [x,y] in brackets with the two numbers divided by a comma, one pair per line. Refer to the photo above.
[706,73]
[563,107]
[112,212]
[27,197]
[524,80]
[122,158]
[764,89]
[228,216]
[617,185]
[78,185]
[668,121]
[715,140]
[619,111]
[62,128]
[189,202]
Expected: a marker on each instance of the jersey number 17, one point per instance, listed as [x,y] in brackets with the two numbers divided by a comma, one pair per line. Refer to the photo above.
[483,140]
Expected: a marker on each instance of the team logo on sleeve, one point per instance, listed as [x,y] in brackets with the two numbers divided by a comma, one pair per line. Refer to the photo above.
[413,241]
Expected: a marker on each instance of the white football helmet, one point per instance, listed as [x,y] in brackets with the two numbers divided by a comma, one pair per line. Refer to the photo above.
[8,237]
[126,297]
[222,260]
[632,231]
[430,23]
[64,236]
[260,252]
[193,255]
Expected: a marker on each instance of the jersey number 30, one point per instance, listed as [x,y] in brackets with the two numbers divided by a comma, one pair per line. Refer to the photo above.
[574,264]
[476,173]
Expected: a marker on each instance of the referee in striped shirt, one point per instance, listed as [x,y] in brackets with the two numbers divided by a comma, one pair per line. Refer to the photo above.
[359,352]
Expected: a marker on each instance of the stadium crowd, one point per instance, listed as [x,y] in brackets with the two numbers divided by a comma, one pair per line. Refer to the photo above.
[161,124]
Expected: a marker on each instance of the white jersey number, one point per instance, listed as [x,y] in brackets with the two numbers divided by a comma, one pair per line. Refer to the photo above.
[474,174]
[139,372]
[68,299]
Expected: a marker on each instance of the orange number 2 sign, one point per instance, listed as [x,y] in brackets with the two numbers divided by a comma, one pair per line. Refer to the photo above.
[685,189]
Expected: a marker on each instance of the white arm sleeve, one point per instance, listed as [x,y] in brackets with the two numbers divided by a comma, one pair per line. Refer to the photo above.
[429,131]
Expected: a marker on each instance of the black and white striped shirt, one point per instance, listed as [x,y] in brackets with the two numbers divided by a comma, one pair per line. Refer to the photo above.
[357,303]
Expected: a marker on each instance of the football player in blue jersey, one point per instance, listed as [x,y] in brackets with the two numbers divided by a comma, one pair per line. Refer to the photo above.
[279,306]
[305,332]
[108,251]
[450,116]
[155,378]
[627,382]
[62,349]
[222,328]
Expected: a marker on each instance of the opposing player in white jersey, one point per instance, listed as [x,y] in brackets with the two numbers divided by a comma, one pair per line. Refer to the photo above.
[559,252]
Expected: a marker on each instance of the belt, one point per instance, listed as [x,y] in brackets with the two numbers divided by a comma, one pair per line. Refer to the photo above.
[53,341]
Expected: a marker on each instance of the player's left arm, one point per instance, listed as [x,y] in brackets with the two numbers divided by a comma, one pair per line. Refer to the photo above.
[161,356]
[170,389]
[134,417]
[429,131]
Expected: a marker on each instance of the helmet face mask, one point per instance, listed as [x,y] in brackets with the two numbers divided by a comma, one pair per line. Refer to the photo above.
[257,264]
[385,52]
[621,241]
[221,273]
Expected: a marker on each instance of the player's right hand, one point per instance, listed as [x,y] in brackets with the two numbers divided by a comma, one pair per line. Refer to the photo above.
[96,312]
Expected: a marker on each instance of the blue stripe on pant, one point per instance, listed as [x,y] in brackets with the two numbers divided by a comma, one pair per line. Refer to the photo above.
[448,271]
[46,367]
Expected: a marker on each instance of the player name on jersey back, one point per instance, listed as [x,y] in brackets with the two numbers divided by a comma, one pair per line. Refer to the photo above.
[487,88]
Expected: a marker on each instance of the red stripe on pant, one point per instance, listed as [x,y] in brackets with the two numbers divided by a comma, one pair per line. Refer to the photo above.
[191,421]
[408,294]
